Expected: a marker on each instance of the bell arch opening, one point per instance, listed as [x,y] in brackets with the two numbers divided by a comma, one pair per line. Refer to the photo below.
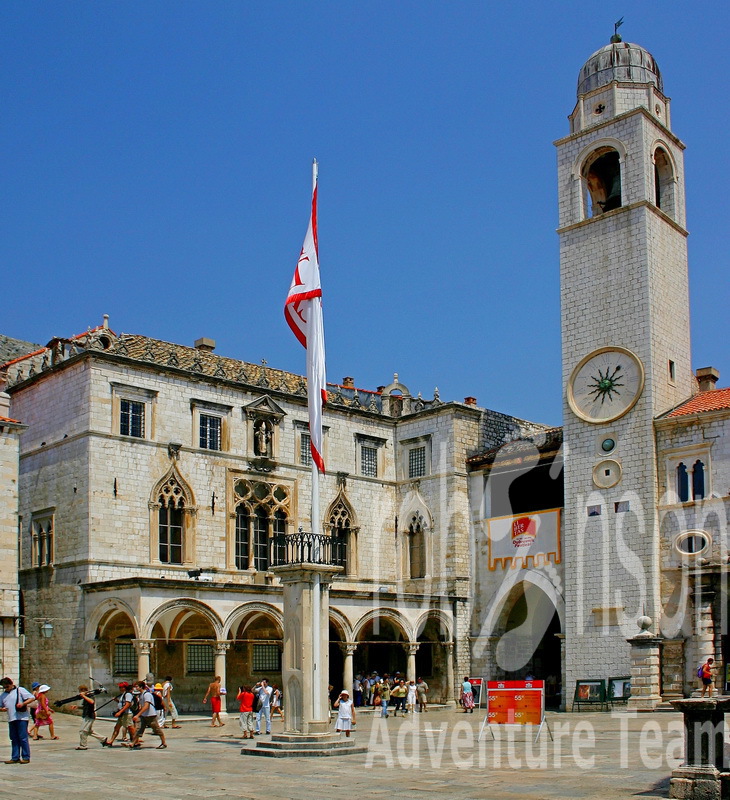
[601,176]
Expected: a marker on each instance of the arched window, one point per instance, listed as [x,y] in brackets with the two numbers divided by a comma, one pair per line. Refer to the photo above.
[682,483]
[416,547]
[171,525]
[262,514]
[698,480]
[340,529]
[341,524]
[172,520]
[602,175]
[664,183]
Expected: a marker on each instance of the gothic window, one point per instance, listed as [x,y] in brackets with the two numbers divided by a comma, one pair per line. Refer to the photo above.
[260,540]
[172,513]
[171,523]
[242,536]
[602,176]
[131,418]
[339,520]
[416,547]
[261,518]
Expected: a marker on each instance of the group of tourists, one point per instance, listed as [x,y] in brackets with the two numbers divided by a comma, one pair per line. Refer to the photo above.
[257,703]
[140,705]
[386,692]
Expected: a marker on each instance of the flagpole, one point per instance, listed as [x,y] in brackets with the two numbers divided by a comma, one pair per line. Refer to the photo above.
[316,529]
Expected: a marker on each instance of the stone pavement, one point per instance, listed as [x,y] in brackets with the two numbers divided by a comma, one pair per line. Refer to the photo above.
[436,755]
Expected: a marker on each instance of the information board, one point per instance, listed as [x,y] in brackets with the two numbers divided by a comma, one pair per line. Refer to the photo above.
[515,703]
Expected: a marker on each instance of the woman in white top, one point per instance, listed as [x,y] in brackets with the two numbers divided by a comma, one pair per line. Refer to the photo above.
[345,713]
[411,697]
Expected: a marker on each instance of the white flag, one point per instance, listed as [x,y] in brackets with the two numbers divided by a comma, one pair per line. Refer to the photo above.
[303,312]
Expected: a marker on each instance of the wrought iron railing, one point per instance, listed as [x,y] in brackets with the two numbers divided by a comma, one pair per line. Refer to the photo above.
[310,548]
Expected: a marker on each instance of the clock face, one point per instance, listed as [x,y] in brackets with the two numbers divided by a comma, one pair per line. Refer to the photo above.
[605,385]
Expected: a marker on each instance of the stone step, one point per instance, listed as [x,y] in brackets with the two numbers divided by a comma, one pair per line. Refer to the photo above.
[338,744]
[267,752]
[307,737]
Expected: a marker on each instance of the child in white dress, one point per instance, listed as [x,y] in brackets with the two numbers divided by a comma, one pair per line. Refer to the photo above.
[345,713]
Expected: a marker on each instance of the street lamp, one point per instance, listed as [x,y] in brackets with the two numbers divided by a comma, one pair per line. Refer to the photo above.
[47,629]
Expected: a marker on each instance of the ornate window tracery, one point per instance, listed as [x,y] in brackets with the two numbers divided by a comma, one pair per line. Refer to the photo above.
[262,515]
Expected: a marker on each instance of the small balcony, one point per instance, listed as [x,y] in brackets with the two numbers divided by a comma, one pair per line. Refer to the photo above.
[310,548]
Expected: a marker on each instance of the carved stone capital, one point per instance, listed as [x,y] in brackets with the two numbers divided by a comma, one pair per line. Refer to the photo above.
[411,647]
[143,647]
[348,648]
[221,648]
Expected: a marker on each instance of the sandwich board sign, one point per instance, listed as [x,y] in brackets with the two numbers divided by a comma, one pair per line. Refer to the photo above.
[515,703]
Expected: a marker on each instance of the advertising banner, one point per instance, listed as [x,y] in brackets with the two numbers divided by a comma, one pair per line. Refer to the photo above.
[524,540]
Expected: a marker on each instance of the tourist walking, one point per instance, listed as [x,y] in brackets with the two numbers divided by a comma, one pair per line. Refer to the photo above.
[88,715]
[14,701]
[262,691]
[706,673]
[170,707]
[43,714]
[345,713]
[147,718]
[214,690]
[123,714]
[357,690]
[467,696]
[245,698]
[276,702]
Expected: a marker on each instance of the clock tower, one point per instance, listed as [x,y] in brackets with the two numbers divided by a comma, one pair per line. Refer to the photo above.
[625,347]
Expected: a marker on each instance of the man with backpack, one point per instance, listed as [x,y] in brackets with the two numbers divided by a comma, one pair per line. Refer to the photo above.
[706,674]
[127,707]
[147,717]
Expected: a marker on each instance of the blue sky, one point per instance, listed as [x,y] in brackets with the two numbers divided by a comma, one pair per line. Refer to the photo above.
[157,167]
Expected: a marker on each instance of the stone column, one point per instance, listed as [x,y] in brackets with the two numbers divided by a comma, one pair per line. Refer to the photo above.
[303,716]
[699,777]
[645,676]
[348,676]
[411,648]
[143,648]
[221,648]
[703,596]
[450,696]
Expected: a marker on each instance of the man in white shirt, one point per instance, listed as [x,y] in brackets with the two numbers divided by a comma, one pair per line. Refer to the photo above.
[14,701]
[262,691]
[170,708]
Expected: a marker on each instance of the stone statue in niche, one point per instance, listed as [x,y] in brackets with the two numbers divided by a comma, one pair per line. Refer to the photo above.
[262,438]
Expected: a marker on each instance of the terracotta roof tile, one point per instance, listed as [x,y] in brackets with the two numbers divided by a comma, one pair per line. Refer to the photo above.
[8,419]
[711,400]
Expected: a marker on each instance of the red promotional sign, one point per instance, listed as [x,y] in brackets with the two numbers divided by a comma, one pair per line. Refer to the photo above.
[515,702]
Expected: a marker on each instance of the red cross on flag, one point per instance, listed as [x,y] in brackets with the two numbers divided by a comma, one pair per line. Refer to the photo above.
[303,312]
